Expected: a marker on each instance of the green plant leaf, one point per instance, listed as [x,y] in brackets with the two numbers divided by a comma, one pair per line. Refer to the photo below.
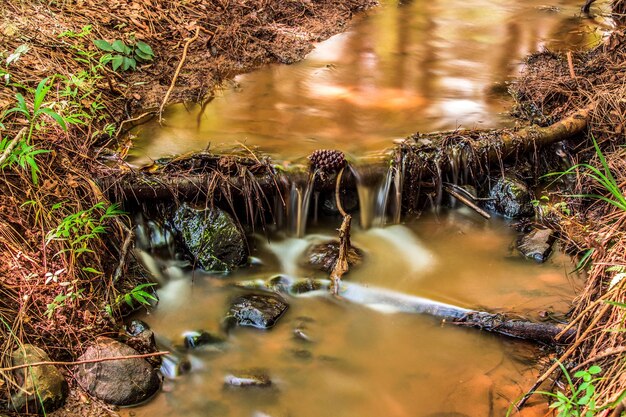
[594,370]
[128,63]
[118,46]
[140,298]
[92,270]
[142,56]
[104,45]
[56,116]
[144,48]
[40,93]
[117,61]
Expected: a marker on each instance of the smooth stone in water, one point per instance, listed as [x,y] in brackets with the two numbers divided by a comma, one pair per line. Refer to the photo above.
[256,310]
[537,244]
[43,388]
[175,365]
[323,256]
[119,382]
[141,338]
[199,338]
[511,198]
[212,237]
[245,379]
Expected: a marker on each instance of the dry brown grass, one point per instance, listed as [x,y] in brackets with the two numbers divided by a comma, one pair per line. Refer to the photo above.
[546,91]
[234,37]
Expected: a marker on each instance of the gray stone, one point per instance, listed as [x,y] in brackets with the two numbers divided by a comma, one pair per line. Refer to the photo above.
[256,310]
[323,256]
[537,244]
[43,388]
[212,237]
[119,382]
[511,198]
[246,379]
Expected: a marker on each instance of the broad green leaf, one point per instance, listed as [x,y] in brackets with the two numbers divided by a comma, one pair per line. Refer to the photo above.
[142,56]
[595,369]
[117,61]
[119,46]
[104,45]
[128,63]
[144,48]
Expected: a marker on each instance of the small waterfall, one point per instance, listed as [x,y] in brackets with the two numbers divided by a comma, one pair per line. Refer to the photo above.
[373,194]
[398,180]
[300,199]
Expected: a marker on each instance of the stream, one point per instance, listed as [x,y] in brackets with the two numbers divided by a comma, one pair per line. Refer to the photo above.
[414,66]
[363,359]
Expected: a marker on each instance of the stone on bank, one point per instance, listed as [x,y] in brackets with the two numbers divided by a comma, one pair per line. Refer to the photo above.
[118,382]
[42,388]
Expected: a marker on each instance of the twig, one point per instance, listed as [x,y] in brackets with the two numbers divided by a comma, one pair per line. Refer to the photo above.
[11,146]
[180,65]
[605,354]
[337,189]
[450,190]
[123,254]
[570,64]
[342,266]
[62,363]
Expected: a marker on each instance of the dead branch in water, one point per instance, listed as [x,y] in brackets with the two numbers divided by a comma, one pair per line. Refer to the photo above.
[482,147]
[342,266]
[522,329]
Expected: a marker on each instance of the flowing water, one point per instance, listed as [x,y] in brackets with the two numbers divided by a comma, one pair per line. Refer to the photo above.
[365,360]
[414,66]
[417,66]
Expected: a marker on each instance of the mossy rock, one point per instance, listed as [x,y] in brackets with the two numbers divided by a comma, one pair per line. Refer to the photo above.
[211,237]
[511,198]
[43,388]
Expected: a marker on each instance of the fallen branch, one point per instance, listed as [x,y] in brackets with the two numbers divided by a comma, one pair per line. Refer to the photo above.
[123,254]
[12,145]
[450,190]
[63,363]
[487,147]
[522,329]
[176,74]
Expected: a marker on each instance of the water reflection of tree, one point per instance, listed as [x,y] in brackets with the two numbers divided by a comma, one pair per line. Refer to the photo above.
[398,70]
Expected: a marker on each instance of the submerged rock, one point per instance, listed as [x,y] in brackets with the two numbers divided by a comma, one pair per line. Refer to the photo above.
[199,338]
[511,198]
[256,310]
[246,379]
[42,388]
[119,382]
[537,244]
[212,237]
[324,256]
[175,365]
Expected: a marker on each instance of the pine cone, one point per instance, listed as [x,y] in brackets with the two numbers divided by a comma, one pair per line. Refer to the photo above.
[327,160]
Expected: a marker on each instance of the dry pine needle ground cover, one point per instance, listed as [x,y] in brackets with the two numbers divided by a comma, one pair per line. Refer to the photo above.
[61,242]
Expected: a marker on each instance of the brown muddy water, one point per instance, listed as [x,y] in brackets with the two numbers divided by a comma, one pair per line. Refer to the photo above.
[366,359]
[417,66]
